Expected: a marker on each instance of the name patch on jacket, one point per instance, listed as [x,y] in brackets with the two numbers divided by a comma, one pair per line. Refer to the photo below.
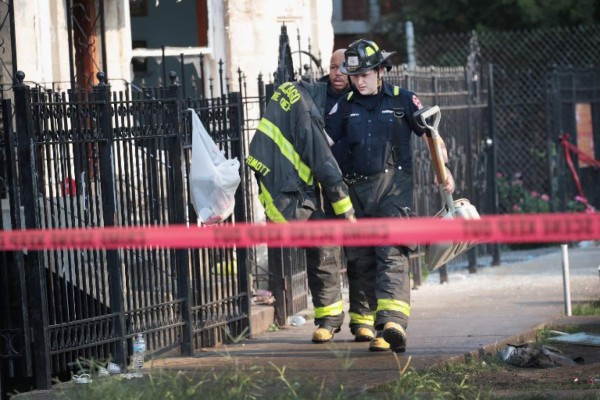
[287,94]
[257,166]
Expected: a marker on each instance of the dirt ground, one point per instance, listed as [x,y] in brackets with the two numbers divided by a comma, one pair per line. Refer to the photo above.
[581,381]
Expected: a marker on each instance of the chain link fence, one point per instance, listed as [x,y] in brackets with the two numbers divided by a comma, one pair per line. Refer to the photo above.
[523,64]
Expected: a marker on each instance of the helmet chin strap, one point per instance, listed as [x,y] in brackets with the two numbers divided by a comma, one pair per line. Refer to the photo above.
[379,81]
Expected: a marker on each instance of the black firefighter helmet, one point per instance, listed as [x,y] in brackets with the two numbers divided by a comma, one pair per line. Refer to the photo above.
[363,55]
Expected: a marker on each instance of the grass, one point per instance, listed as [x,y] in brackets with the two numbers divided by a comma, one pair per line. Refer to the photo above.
[452,381]
[591,308]
[475,380]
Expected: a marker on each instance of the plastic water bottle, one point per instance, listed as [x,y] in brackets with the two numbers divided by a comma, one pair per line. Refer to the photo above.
[297,320]
[139,352]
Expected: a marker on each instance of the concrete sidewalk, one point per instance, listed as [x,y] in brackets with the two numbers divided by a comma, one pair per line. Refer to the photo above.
[474,314]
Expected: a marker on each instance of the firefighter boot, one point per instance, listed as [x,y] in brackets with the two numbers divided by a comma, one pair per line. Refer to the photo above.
[394,334]
[363,334]
[324,334]
[379,344]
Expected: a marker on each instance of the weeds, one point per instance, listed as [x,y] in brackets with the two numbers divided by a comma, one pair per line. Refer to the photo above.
[591,308]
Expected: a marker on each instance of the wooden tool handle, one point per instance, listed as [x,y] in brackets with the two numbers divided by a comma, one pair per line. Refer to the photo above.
[437,158]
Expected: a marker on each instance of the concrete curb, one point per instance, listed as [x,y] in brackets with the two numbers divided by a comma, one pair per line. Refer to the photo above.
[527,336]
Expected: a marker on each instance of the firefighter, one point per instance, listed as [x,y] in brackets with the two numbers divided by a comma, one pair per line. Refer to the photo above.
[290,155]
[376,120]
[361,318]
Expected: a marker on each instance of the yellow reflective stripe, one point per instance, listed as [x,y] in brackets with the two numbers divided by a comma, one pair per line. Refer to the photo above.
[341,206]
[393,305]
[329,311]
[267,201]
[396,90]
[286,148]
[349,95]
[361,319]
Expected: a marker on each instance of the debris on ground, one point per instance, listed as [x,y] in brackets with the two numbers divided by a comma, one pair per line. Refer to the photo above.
[262,296]
[534,355]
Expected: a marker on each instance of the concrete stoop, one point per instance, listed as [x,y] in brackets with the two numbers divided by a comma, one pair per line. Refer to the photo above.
[262,317]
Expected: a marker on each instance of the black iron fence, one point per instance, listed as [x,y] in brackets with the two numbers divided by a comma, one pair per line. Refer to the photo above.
[103,159]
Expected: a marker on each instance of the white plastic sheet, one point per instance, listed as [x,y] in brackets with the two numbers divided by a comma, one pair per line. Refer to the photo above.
[213,178]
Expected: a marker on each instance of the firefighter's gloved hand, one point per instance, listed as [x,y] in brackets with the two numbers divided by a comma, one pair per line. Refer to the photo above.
[351,218]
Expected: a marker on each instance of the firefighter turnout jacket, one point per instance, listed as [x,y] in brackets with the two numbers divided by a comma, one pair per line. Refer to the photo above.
[290,155]
[377,129]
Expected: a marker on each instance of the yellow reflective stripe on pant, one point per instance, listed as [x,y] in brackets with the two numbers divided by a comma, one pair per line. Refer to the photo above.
[267,201]
[393,305]
[361,319]
[286,148]
[342,206]
[334,309]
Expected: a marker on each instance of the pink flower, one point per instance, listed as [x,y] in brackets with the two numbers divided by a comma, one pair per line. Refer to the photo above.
[534,194]
[545,197]
[516,207]
[499,175]
[580,199]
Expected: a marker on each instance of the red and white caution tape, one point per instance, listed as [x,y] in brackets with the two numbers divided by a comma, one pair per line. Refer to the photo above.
[516,228]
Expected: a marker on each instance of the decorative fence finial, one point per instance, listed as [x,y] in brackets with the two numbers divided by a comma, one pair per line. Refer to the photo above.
[172,77]
[101,78]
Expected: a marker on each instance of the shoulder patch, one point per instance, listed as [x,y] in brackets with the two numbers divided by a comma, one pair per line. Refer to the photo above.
[333,109]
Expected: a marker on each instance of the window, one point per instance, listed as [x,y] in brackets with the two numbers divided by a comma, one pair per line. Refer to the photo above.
[138,8]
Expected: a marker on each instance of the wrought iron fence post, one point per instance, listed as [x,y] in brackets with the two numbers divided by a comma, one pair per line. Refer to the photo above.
[182,260]
[15,262]
[470,176]
[107,182]
[241,196]
[278,258]
[37,273]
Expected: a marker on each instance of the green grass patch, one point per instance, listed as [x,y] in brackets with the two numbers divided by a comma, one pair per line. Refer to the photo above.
[591,308]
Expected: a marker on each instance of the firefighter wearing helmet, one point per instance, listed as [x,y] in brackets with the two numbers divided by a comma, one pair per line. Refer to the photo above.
[375,121]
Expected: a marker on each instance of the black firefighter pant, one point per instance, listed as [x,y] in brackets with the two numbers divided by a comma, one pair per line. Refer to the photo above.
[323,266]
[383,270]
[322,262]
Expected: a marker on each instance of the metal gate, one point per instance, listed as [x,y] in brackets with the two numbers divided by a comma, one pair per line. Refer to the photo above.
[573,109]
